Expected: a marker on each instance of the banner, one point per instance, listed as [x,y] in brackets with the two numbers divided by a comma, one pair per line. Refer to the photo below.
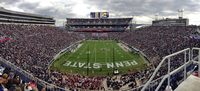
[4,39]
[195,36]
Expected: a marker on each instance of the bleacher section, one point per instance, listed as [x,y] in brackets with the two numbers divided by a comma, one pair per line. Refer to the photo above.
[98,25]
[11,17]
[33,47]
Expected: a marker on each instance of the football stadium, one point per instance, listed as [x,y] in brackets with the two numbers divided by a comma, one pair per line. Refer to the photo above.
[103,51]
[99,57]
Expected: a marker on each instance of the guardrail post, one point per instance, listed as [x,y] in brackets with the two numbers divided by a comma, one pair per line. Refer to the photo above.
[185,58]
[191,54]
[199,63]
[168,72]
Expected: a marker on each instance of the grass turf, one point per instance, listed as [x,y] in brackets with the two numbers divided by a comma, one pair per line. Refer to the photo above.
[101,52]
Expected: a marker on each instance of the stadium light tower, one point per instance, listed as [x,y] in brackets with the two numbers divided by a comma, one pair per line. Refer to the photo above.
[198,30]
[156,16]
[133,20]
[180,13]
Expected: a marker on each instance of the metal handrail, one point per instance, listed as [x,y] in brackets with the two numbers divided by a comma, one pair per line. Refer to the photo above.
[195,48]
[171,73]
[159,66]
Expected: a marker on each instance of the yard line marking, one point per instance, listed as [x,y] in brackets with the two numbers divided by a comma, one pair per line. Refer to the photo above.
[94,51]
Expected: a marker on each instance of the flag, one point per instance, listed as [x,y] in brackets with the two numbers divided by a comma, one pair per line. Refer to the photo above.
[195,36]
[4,39]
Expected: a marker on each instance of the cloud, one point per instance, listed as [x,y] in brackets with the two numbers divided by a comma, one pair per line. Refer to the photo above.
[144,7]
[144,10]
[30,7]
[9,1]
[58,10]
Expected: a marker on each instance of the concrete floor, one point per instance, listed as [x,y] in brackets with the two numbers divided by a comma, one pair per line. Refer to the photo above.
[192,83]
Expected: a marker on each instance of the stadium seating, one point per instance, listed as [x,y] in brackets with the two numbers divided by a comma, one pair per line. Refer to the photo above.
[155,43]
[32,48]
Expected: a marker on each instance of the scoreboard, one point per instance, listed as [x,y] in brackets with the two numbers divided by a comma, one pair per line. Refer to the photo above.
[99,15]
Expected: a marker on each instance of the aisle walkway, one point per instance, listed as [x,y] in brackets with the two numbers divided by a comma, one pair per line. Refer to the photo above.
[192,83]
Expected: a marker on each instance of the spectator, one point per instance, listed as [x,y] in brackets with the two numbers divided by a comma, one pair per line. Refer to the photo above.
[32,47]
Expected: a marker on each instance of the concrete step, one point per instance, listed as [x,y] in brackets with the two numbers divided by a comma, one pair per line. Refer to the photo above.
[192,83]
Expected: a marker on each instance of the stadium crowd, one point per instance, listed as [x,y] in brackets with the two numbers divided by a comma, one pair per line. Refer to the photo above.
[11,81]
[157,42]
[32,48]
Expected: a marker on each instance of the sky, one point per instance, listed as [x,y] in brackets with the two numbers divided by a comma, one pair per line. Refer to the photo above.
[143,11]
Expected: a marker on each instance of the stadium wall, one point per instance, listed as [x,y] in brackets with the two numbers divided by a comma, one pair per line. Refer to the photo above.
[64,51]
[137,50]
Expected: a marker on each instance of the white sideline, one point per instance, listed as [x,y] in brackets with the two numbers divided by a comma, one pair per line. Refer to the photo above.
[124,47]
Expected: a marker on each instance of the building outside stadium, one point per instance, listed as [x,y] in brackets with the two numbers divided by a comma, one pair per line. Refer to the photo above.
[171,22]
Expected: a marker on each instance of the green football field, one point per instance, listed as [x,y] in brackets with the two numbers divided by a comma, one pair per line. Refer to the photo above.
[98,58]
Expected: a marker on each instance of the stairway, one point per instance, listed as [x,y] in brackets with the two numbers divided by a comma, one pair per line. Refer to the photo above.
[192,83]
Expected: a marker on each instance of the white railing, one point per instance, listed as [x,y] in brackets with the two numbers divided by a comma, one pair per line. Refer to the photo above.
[169,73]
[198,57]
